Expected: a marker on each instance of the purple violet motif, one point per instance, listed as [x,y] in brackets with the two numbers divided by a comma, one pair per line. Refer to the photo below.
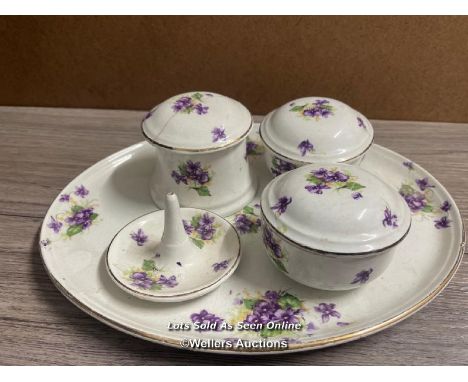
[188,227]
[205,228]
[311,327]
[416,201]
[64,198]
[141,280]
[390,220]
[423,184]
[206,318]
[446,206]
[139,236]
[218,134]
[362,277]
[443,222]
[55,225]
[282,204]
[81,191]
[361,123]
[316,188]
[169,282]
[193,175]
[340,323]
[327,311]
[409,165]
[187,104]
[247,224]
[280,166]
[305,147]
[356,195]
[222,265]
[271,243]
[82,218]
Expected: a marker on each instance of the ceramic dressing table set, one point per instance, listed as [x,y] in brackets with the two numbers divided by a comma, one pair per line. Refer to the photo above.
[300,219]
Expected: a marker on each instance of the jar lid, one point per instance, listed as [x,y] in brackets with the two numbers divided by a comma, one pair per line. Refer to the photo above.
[336,208]
[197,121]
[317,130]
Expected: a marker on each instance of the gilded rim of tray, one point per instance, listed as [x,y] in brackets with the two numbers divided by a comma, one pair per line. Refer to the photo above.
[317,344]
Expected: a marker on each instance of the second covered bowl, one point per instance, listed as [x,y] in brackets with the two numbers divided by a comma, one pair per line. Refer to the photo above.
[332,226]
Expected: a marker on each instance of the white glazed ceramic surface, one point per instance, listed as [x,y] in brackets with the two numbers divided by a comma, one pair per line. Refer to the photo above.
[115,192]
[138,266]
[197,121]
[332,226]
[336,208]
[314,130]
[199,141]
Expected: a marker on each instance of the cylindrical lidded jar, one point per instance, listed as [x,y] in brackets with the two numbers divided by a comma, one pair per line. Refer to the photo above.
[200,147]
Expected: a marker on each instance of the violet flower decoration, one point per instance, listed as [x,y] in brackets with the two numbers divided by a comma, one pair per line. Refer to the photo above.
[222,265]
[409,165]
[445,206]
[81,191]
[305,147]
[356,195]
[64,198]
[218,134]
[443,222]
[139,236]
[362,277]
[169,282]
[361,123]
[327,311]
[282,204]
[423,184]
[316,188]
[390,220]
[141,280]
[55,225]
[204,317]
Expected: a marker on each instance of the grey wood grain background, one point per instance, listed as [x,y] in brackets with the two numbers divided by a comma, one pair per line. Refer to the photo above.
[42,149]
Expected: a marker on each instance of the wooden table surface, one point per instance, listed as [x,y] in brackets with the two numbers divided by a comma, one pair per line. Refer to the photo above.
[42,149]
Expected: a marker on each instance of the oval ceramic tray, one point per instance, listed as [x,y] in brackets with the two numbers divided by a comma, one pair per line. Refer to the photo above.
[84,218]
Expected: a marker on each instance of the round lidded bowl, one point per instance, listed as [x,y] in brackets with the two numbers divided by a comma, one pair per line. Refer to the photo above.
[332,226]
[200,147]
[314,130]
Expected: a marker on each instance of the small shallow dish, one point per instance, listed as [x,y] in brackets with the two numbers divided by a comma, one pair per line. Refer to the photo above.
[333,226]
[314,130]
[173,255]
[199,141]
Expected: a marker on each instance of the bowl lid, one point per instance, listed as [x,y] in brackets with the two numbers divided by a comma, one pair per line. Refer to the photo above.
[317,130]
[336,208]
[197,121]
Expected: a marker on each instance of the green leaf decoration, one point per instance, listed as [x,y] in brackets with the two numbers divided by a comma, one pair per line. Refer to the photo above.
[73,230]
[156,287]
[353,186]
[203,191]
[182,169]
[248,210]
[249,303]
[93,216]
[427,209]
[199,243]
[195,222]
[313,179]
[197,96]
[148,265]
[76,209]
[297,108]
[289,301]
[406,189]
[279,264]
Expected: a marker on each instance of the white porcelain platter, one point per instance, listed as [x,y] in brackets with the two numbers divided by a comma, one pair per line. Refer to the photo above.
[104,198]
